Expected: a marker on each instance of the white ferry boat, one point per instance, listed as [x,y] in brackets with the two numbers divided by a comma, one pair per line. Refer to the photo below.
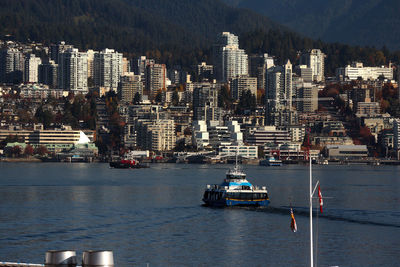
[236,191]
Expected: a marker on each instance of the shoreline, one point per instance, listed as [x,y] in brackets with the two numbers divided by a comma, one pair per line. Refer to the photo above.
[372,162]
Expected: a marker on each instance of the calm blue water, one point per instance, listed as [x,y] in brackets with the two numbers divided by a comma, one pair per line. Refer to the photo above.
[154,216]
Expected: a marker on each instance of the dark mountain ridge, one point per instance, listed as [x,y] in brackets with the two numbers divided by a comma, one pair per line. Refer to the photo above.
[354,22]
[175,32]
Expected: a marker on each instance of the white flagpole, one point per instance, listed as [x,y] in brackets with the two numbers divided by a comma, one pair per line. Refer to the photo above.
[311,223]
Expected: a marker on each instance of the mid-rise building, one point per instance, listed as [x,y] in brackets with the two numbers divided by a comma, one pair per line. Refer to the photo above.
[48,72]
[205,102]
[260,136]
[258,65]
[57,49]
[138,65]
[200,136]
[357,70]
[204,71]
[156,79]
[315,60]
[307,98]
[129,86]
[107,69]
[249,152]
[305,73]
[157,135]
[241,84]
[11,65]
[72,71]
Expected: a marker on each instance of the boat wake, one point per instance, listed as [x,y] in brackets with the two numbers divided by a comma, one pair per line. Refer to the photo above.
[339,215]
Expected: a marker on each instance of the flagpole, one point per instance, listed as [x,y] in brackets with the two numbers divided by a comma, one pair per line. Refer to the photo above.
[311,223]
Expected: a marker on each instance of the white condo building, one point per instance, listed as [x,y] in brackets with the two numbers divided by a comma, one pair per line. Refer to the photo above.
[278,86]
[107,69]
[229,60]
[73,70]
[31,72]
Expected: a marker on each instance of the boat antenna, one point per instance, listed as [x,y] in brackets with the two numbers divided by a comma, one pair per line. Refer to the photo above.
[236,163]
[311,221]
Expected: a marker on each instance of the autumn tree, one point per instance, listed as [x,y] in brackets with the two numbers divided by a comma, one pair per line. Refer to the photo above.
[28,151]
[41,151]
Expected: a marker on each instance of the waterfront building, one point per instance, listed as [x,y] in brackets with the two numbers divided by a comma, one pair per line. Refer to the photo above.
[229,60]
[31,67]
[346,151]
[72,71]
[331,140]
[357,70]
[386,141]
[56,140]
[260,136]
[200,136]
[107,69]
[241,84]
[315,60]
[297,132]
[243,151]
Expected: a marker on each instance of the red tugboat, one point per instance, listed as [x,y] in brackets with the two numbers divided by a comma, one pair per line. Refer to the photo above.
[127,164]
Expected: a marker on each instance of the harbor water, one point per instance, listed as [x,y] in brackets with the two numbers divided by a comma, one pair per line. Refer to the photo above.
[155,217]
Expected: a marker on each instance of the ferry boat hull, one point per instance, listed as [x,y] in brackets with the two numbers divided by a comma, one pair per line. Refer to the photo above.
[222,198]
[237,202]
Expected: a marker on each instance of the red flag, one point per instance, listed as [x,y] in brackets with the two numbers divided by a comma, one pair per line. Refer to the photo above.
[293,224]
[321,202]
